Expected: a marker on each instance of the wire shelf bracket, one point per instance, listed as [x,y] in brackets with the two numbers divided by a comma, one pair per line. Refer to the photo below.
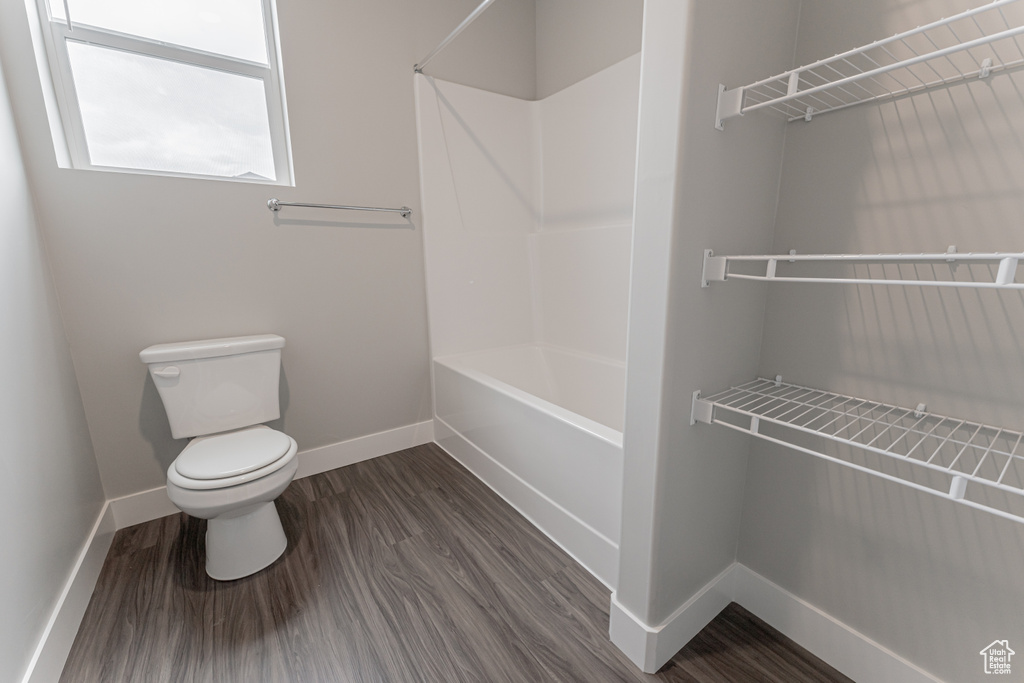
[973,44]
[718,268]
[968,453]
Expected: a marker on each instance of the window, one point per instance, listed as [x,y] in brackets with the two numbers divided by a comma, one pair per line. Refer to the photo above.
[172,87]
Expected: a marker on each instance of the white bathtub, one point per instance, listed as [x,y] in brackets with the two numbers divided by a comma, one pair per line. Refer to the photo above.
[543,428]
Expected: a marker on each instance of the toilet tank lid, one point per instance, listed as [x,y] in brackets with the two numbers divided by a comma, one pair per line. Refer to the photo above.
[210,348]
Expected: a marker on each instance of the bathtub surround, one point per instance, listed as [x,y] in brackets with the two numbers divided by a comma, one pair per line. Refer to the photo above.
[50,496]
[527,229]
[530,428]
[528,213]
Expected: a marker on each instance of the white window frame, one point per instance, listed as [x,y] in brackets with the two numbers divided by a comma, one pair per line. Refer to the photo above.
[57,33]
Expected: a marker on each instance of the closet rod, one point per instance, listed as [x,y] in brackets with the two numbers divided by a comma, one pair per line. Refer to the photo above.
[419,66]
[275,205]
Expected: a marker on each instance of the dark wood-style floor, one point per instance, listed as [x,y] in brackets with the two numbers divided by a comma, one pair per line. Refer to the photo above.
[402,568]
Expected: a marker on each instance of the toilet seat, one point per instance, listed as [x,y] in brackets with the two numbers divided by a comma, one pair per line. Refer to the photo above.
[222,460]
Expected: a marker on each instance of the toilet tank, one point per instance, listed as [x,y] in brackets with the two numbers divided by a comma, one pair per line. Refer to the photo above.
[215,385]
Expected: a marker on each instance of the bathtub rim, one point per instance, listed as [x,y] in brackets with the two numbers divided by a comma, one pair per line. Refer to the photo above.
[457,363]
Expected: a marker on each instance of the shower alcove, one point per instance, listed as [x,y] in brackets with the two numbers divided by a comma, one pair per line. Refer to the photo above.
[527,226]
[523,239]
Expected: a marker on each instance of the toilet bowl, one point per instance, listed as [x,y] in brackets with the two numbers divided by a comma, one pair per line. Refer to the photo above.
[220,391]
[244,532]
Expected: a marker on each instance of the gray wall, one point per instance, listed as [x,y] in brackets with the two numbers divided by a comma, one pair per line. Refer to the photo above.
[50,491]
[496,53]
[547,45]
[144,259]
[578,38]
[683,485]
[932,581]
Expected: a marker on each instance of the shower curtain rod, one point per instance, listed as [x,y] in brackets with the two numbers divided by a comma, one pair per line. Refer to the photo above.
[419,66]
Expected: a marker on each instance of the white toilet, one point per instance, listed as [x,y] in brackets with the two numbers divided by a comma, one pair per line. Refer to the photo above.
[220,391]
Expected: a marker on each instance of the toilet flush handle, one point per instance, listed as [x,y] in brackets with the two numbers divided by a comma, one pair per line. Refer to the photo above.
[169,372]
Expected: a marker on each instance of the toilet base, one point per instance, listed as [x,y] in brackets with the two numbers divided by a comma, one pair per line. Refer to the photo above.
[242,544]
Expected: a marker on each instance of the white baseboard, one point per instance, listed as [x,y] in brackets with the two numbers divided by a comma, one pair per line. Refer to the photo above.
[849,651]
[845,649]
[649,647]
[51,653]
[140,507]
[588,547]
[343,453]
[153,504]
[59,635]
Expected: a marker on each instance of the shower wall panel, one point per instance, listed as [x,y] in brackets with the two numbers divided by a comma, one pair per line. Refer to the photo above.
[582,252]
[528,213]
[527,230]
[478,164]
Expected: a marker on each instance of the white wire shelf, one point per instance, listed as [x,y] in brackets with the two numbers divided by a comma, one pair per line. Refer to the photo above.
[1000,272]
[972,44]
[968,453]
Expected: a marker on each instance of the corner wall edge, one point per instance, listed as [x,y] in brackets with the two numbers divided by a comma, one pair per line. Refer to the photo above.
[58,635]
[839,645]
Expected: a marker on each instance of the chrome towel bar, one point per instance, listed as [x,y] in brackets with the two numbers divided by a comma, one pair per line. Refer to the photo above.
[275,205]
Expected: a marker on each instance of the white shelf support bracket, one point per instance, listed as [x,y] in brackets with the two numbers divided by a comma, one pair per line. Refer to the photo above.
[701,410]
[769,271]
[730,105]
[921,410]
[809,114]
[794,83]
[1007,271]
[958,488]
[714,268]
[951,249]
[986,68]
